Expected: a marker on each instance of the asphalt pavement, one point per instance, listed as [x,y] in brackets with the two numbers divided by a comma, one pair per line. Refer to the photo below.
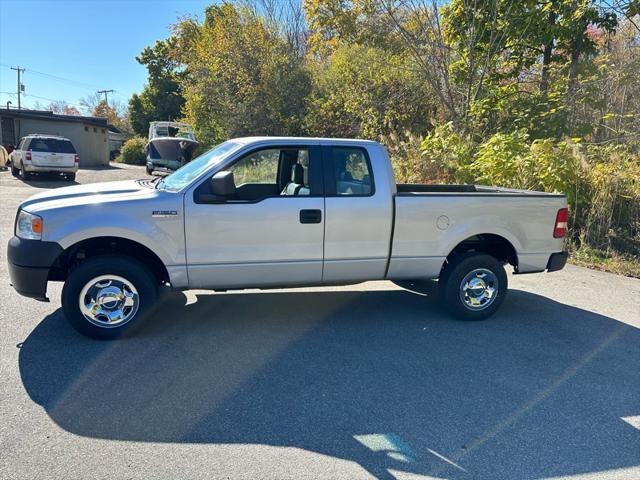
[364,381]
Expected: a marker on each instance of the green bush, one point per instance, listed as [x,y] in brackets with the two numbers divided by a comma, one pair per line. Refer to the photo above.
[611,219]
[448,154]
[133,152]
[602,183]
[406,157]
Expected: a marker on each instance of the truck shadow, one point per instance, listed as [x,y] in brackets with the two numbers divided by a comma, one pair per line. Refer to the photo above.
[381,378]
[47,182]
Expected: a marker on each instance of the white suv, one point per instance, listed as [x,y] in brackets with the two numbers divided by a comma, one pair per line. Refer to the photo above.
[44,154]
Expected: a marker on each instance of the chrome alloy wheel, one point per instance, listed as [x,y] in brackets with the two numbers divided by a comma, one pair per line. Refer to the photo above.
[109,301]
[478,289]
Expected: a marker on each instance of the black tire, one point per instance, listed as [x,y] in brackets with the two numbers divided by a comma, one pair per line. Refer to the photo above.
[15,171]
[149,170]
[451,288]
[118,265]
[24,175]
[71,177]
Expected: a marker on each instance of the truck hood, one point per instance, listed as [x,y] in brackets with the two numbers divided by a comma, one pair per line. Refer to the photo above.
[90,193]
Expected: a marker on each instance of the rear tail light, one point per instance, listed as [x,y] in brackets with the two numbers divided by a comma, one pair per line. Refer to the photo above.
[560,230]
[27,155]
[76,159]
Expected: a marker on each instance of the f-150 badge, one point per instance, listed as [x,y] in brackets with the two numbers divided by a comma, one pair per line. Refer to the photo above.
[164,213]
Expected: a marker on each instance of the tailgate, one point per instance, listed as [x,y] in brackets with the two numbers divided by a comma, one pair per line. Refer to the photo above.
[52,159]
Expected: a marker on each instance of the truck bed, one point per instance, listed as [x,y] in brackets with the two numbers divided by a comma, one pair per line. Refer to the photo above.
[407,189]
[430,220]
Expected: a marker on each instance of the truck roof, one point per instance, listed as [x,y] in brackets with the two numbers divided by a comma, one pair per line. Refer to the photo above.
[315,140]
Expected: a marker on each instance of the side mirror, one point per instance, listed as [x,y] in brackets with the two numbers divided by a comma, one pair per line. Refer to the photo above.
[223,184]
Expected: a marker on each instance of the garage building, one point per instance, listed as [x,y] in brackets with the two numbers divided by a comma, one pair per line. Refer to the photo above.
[89,135]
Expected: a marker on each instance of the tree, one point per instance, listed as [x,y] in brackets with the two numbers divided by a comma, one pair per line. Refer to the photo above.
[71,110]
[368,92]
[243,77]
[523,57]
[115,112]
[90,102]
[63,108]
[612,110]
[162,97]
[102,109]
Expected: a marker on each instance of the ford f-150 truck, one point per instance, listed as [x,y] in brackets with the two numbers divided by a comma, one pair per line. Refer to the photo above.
[266,212]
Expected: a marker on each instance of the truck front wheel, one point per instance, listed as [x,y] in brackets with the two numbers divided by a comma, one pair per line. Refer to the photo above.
[473,286]
[106,296]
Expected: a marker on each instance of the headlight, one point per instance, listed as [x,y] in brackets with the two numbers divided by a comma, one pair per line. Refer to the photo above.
[29,226]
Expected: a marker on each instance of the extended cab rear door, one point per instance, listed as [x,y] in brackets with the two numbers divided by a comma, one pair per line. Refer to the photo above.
[358,212]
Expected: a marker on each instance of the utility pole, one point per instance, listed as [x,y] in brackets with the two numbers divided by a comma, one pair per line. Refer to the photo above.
[20,86]
[106,99]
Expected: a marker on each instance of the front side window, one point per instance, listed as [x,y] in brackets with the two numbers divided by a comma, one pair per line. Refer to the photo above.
[272,172]
[351,171]
[257,167]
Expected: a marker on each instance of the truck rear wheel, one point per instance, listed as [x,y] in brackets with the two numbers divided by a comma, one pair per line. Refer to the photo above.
[106,296]
[473,286]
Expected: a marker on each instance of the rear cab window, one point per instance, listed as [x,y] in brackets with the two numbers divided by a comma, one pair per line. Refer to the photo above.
[348,172]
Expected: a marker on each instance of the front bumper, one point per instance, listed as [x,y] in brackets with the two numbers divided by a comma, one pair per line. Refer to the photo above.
[557,261]
[29,281]
[29,264]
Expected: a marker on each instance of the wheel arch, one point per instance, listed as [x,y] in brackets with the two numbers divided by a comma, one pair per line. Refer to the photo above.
[92,247]
[492,244]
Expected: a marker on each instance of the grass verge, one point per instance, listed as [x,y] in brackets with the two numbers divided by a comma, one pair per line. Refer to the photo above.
[628,265]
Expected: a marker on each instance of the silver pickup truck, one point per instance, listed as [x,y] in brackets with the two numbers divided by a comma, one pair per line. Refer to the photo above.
[267,212]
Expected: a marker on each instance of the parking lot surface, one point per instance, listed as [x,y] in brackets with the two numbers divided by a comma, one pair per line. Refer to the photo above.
[355,382]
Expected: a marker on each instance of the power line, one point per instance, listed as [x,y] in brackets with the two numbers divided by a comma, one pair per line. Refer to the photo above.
[13,94]
[45,98]
[86,86]
[61,79]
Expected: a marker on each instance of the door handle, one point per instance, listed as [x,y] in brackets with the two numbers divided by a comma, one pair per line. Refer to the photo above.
[310,216]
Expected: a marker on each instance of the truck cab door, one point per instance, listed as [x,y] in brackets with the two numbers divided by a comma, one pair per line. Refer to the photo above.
[269,232]
[359,213]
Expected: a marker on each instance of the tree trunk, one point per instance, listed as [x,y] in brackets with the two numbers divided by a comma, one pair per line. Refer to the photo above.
[576,49]
[546,57]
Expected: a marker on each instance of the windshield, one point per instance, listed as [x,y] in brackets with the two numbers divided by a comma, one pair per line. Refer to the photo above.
[184,175]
